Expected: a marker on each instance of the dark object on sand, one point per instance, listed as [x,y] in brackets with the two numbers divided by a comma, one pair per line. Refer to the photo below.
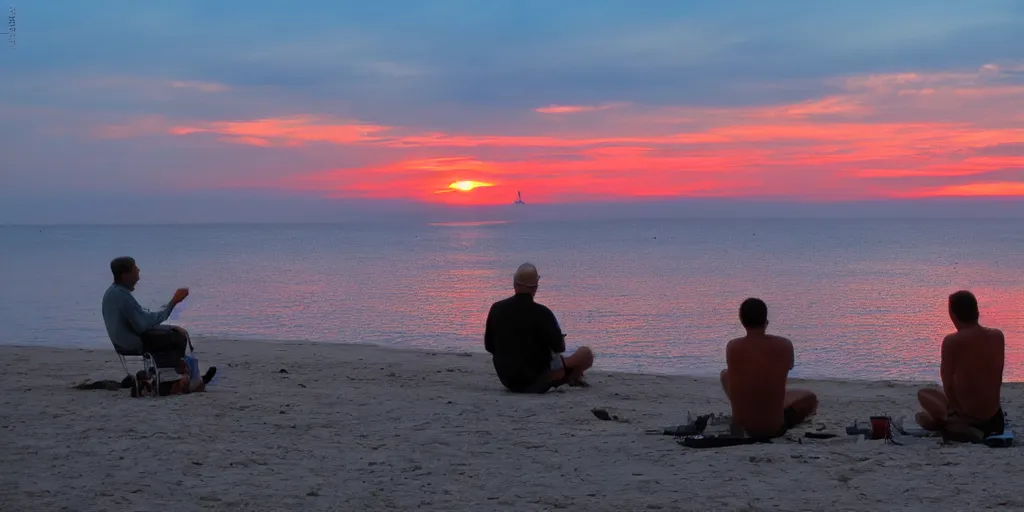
[856,430]
[693,428]
[605,415]
[111,385]
[716,441]
[819,435]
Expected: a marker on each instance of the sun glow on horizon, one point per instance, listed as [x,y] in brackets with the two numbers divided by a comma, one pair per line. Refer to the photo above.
[467,185]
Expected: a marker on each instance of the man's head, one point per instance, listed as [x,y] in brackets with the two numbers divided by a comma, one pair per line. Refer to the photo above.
[963,308]
[526,279]
[754,314]
[126,273]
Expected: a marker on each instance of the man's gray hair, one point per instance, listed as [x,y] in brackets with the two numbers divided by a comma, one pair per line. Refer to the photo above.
[526,275]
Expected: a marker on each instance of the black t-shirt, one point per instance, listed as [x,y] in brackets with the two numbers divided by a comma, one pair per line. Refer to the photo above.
[521,335]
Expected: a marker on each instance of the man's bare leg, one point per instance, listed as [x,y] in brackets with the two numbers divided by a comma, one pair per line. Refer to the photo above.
[935,409]
[803,401]
[579,362]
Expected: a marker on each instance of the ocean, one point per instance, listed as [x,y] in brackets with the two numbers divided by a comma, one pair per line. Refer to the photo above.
[861,299]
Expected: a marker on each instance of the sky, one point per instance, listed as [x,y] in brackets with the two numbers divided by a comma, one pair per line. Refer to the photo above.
[120,110]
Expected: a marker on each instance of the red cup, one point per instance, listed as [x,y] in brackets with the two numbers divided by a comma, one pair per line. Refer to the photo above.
[881,427]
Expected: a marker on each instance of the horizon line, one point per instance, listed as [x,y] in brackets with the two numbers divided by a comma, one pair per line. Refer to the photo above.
[489,223]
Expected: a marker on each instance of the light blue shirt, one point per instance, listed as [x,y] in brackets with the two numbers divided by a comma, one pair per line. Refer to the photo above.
[126,319]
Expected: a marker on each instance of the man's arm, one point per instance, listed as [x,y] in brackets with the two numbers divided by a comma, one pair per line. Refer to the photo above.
[556,340]
[489,332]
[140,318]
[1002,342]
[792,354]
[946,371]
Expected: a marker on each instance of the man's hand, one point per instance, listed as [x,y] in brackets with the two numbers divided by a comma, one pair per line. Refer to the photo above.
[179,295]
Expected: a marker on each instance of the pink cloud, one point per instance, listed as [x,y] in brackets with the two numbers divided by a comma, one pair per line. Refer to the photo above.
[290,131]
[576,109]
[986,189]
[880,136]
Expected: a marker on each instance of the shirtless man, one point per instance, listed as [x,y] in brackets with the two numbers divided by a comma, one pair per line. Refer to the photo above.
[527,343]
[758,365]
[967,406]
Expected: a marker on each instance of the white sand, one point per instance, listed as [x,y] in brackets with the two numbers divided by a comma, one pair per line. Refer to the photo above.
[362,428]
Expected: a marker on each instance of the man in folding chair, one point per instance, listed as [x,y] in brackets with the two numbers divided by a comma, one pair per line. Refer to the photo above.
[134,330]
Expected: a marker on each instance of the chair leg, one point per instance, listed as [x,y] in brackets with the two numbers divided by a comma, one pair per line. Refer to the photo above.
[124,364]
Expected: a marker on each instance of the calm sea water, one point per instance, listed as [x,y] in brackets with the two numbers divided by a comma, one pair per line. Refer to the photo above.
[859,298]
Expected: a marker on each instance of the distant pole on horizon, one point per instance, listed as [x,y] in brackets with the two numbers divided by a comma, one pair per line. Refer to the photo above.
[519,200]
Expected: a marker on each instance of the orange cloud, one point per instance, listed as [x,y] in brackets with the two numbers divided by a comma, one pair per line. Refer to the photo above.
[991,189]
[879,136]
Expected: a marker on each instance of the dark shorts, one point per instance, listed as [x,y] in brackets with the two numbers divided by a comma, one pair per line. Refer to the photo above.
[789,420]
[545,381]
[167,345]
[994,425]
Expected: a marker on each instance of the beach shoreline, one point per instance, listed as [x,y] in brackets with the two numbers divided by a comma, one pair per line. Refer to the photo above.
[478,350]
[365,427]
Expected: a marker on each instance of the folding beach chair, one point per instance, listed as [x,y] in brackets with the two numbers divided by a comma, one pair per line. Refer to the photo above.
[151,364]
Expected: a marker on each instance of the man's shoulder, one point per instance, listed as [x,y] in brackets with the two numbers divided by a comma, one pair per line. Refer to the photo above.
[502,303]
[502,306]
[542,308]
[113,291]
[995,333]
[758,345]
[966,337]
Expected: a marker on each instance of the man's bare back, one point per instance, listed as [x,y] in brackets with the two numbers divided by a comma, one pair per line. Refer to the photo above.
[757,367]
[972,361]
[972,364]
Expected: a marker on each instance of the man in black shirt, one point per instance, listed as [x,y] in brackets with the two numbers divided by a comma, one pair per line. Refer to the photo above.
[527,343]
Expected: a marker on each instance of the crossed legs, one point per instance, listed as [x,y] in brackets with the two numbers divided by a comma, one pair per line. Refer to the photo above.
[936,415]
[935,409]
[574,366]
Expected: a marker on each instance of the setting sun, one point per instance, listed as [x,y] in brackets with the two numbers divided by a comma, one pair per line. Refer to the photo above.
[466,186]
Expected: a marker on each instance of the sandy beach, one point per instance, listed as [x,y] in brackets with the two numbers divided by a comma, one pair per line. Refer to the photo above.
[305,426]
